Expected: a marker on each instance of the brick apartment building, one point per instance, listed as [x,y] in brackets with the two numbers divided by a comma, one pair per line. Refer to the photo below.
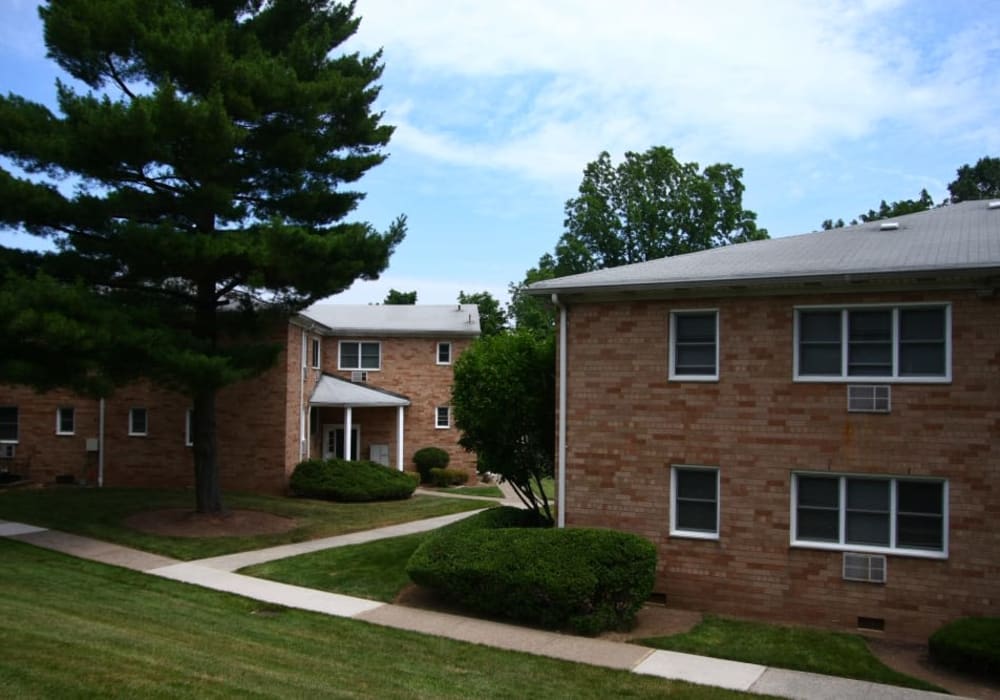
[372,382]
[808,428]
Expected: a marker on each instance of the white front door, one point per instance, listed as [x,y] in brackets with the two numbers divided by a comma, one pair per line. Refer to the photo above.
[333,441]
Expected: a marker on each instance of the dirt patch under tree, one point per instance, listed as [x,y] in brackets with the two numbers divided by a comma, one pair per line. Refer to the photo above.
[182,522]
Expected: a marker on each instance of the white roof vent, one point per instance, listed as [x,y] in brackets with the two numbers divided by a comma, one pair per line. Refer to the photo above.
[889,226]
[995,204]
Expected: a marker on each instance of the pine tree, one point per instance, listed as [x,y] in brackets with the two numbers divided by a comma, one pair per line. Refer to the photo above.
[195,184]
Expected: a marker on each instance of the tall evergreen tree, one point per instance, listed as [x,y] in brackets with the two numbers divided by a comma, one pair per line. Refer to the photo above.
[195,183]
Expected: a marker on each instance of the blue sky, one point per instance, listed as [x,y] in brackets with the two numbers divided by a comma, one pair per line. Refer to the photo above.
[828,106]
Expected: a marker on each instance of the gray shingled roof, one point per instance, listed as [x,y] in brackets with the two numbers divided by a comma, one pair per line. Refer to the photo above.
[390,319]
[334,391]
[959,238]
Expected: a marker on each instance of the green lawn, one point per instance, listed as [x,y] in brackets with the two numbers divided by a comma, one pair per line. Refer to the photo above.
[486,491]
[100,513]
[74,628]
[796,648]
[375,570]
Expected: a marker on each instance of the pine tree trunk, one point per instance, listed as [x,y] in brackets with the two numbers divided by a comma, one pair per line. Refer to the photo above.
[208,494]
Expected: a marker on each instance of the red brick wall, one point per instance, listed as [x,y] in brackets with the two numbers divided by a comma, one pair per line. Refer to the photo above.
[628,424]
[409,368]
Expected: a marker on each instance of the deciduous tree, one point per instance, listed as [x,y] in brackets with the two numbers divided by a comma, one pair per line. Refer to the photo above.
[492,317]
[196,183]
[979,181]
[400,298]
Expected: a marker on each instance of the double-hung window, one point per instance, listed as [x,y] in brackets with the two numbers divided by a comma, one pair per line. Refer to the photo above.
[694,504]
[874,343]
[138,422]
[881,514]
[315,352]
[442,417]
[8,423]
[65,421]
[444,353]
[365,355]
[694,345]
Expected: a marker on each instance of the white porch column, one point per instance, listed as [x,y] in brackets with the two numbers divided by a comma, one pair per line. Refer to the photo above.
[399,438]
[347,433]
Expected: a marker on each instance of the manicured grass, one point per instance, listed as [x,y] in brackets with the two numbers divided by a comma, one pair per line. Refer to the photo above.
[549,488]
[100,513]
[487,491]
[375,570]
[796,648]
[77,629]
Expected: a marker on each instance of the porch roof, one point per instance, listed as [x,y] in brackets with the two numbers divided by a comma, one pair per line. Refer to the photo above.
[334,391]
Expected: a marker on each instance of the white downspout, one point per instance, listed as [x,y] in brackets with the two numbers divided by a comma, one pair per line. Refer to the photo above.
[399,439]
[100,444]
[302,399]
[348,419]
[561,458]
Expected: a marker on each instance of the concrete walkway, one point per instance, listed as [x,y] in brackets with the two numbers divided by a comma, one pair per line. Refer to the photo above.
[217,573]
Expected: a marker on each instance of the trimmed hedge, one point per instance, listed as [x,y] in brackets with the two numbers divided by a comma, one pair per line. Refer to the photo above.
[970,644]
[448,477]
[354,482]
[427,458]
[585,579]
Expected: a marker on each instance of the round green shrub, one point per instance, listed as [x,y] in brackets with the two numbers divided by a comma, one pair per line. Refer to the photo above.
[427,458]
[443,478]
[585,579]
[340,480]
[970,644]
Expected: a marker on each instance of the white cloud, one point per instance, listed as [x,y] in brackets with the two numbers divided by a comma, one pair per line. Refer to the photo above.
[711,77]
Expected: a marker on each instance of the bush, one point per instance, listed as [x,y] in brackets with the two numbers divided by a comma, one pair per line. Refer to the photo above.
[340,480]
[970,644]
[588,580]
[428,458]
[448,477]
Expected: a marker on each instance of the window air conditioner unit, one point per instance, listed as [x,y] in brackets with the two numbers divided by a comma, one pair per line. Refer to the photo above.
[869,398]
[8,451]
[867,568]
[359,377]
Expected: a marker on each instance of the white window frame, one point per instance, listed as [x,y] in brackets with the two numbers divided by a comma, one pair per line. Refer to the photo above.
[72,419]
[131,422]
[672,374]
[17,427]
[675,531]
[437,355]
[189,428]
[843,545]
[437,417]
[359,343]
[844,377]
[316,352]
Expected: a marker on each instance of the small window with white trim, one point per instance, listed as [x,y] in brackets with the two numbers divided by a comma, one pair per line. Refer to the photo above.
[444,353]
[65,420]
[442,417]
[870,514]
[694,508]
[8,424]
[189,428]
[360,355]
[138,422]
[694,345]
[315,348]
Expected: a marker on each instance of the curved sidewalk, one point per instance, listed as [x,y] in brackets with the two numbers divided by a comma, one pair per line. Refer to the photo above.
[217,573]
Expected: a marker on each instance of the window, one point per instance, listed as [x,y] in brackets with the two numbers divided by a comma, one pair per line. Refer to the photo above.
[882,514]
[442,417]
[315,352]
[444,354]
[694,346]
[65,421]
[138,421]
[903,343]
[8,423]
[695,511]
[360,355]
[189,428]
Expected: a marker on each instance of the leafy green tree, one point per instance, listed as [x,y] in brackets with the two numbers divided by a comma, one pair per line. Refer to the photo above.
[504,402]
[400,298]
[196,191]
[648,206]
[492,317]
[887,211]
[980,181]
